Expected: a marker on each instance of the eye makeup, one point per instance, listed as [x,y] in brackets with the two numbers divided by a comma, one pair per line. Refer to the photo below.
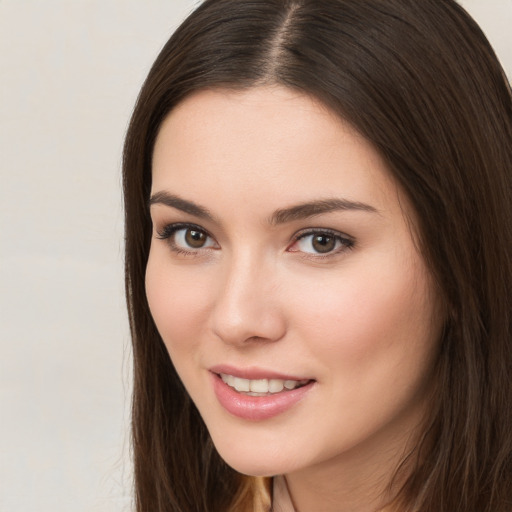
[189,239]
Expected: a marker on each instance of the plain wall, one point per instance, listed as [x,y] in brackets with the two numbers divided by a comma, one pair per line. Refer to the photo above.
[70,72]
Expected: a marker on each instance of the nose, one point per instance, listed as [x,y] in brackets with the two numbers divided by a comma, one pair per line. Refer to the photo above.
[248,306]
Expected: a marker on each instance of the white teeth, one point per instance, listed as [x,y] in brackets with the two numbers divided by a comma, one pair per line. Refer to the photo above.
[257,387]
[275,385]
[242,384]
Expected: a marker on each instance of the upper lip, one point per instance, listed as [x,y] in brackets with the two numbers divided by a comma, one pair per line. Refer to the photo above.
[254,373]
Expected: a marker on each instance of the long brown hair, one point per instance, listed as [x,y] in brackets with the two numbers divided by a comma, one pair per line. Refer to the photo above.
[419,80]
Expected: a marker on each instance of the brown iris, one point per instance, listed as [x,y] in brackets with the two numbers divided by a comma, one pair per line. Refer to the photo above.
[195,239]
[323,243]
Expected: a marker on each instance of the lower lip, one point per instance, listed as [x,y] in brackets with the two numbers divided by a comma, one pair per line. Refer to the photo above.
[257,408]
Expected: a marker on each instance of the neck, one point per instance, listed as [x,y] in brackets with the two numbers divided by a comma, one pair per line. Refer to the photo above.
[364,479]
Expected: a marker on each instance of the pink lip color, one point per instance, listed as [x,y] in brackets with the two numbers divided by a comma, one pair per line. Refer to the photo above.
[256,408]
[254,373]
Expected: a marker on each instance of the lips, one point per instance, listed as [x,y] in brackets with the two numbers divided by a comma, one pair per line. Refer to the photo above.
[255,394]
[254,373]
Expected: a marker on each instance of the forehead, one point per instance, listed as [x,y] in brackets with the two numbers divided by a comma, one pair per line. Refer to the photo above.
[277,143]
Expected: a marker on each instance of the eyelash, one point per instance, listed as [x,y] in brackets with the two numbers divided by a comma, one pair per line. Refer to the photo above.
[168,232]
[346,242]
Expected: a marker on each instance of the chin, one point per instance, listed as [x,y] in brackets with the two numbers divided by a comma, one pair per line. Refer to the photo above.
[253,459]
[254,467]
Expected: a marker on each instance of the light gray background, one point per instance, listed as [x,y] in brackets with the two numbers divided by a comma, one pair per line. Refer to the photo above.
[69,75]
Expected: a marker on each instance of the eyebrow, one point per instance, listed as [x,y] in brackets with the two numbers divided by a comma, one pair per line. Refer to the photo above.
[173,201]
[281,216]
[313,208]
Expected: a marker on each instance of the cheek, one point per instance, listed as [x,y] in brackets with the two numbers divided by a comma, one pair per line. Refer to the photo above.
[178,303]
[375,317]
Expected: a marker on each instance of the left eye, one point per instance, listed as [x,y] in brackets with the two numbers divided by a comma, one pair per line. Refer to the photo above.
[321,243]
[190,238]
[186,238]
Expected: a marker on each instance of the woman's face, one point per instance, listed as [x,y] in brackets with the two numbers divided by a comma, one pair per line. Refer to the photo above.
[285,282]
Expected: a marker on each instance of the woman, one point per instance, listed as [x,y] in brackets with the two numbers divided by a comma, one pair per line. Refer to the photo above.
[318,260]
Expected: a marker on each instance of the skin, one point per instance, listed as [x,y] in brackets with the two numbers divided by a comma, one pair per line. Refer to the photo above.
[360,320]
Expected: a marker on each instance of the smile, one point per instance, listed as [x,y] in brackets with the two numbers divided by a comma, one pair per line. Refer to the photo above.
[260,398]
[261,387]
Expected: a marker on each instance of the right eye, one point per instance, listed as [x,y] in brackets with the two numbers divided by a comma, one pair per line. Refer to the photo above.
[187,238]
